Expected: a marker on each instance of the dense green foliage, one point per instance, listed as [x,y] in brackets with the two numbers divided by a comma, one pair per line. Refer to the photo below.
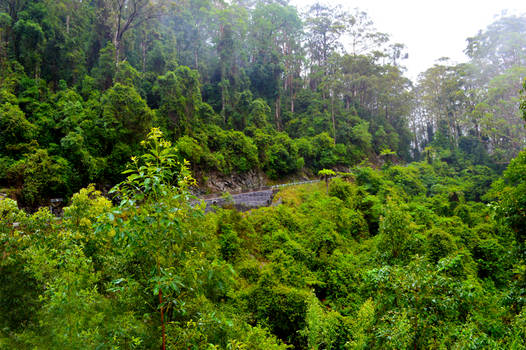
[398,258]
[383,254]
[239,86]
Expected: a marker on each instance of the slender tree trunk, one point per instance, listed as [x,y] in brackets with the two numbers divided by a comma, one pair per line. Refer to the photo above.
[118,35]
[223,100]
[117,44]
[333,119]
[117,53]
[143,49]
[223,73]
[292,102]
[196,49]
[292,92]
[451,131]
[277,114]
[417,148]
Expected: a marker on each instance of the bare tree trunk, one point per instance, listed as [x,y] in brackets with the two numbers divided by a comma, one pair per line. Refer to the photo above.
[143,48]
[292,96]
[333,119]
[223,100]
[117,44]
[277,114]
[116,36]
[417,148]
[291,90]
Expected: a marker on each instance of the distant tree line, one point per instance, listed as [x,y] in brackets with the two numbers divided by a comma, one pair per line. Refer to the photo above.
[237,86]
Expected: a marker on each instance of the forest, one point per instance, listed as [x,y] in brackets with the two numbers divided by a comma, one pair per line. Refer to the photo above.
[123,111]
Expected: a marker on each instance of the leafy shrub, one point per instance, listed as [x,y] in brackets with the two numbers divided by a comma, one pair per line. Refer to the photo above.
[439,244]
[344,191]
[281,308]
[229,242]
[42,176]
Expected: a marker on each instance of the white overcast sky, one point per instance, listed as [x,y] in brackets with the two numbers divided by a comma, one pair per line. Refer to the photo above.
[430,29]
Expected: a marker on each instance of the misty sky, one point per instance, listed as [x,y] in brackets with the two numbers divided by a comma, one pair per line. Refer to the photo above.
[430,29]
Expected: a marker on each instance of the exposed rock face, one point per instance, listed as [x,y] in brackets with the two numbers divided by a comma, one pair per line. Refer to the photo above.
[218,183]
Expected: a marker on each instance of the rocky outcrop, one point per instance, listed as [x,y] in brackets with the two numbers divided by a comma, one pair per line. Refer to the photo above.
[220,183]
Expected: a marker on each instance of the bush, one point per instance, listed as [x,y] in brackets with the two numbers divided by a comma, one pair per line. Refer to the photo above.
[439,244]
[407,178]
[343,190]
[239,152]
[282,309]
[370,179]
[40,177]
[283,157]
[229,242]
